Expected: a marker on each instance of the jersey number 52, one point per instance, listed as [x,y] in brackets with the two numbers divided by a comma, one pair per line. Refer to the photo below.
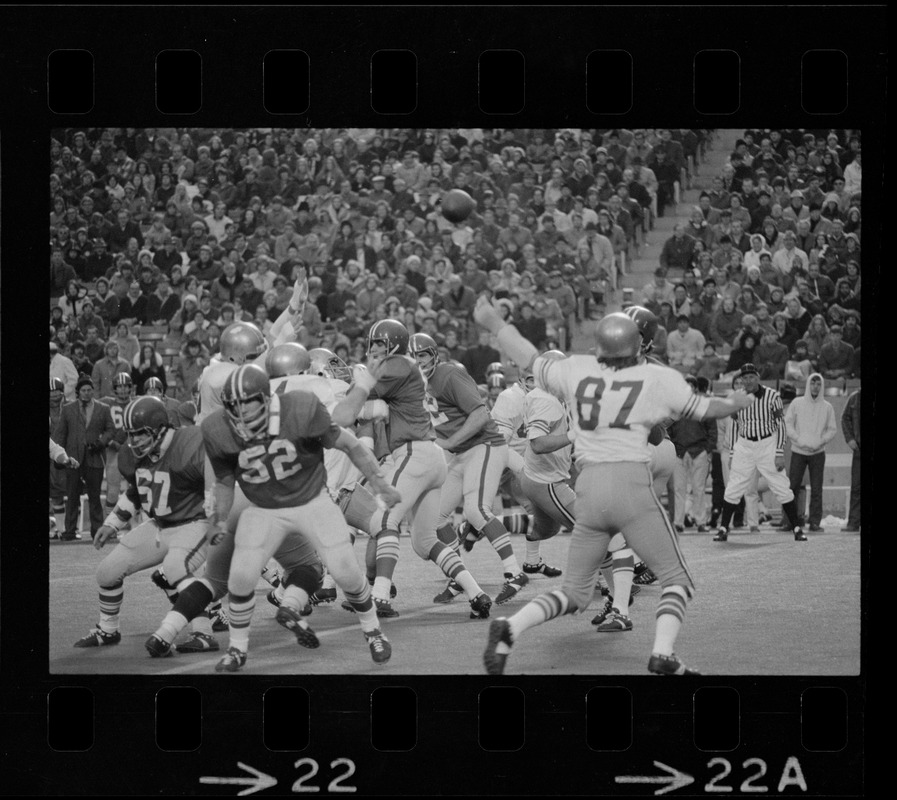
[284,461]
[591,392]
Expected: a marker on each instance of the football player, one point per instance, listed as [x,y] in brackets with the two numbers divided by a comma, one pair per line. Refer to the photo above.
[153,387]
[478,454]
[273,445]
[616,401]
[417,467]
[170,480]
[123,388]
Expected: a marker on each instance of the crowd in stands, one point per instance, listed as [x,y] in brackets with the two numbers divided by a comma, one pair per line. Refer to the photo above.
[187,230]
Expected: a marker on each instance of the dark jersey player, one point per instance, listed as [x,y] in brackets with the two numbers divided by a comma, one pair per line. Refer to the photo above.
[168,477]
[477,457]
[123,389]
[416,465]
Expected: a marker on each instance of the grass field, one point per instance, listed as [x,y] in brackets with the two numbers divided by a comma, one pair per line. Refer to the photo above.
[765,605]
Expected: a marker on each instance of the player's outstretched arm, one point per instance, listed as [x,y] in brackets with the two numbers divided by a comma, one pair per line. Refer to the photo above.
[521,351]
[720,407]
[552,441]
[364,459]
[285,327]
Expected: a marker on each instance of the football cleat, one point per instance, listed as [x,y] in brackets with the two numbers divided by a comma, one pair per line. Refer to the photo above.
[604,613]
[451,591]
[384,608]
[233,661]
[511,587]
[381,649]
[615,623]
[98,638]
[722,535]
[799,535]
[498,646]
[323,596]
[669,665]
[542,567]
[220,620]
[273,599]
[347,606]
[157,648]
[292,621]
[198,643]
[480,605]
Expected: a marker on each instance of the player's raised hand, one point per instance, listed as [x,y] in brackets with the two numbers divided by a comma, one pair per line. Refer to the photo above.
[487,315]
[102,536]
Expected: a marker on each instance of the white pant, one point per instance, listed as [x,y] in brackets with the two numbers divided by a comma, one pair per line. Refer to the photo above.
[695,468]
[748,458]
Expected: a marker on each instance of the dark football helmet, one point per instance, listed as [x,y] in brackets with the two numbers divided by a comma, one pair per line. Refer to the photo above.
[647,323]
[243,387]
[617,336]
[242,342]
[56,385]
[153,386]
[425,352]
[391,333]
[496,367]
[122,385]
[145,423]
[290,358]
[327,363]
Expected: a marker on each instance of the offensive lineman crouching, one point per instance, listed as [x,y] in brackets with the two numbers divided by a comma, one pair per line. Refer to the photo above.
[168,477]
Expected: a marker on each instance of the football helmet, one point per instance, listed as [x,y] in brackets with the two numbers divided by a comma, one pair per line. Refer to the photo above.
[496,367]
[391,333]
[122,385]
[553,355]
[244,386]
[617,336]
[242,342]
[145,423]
[56,385]
[153,386]
[290,358]
[647,323]
[327,363]
[420,346]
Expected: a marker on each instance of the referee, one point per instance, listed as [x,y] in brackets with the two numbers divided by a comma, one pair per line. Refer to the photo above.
[759,445]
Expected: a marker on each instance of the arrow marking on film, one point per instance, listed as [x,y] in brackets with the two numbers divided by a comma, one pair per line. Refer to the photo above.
[257,784]
[675,779]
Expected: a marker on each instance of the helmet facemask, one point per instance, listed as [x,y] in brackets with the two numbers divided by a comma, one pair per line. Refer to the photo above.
[427,365]
[249,424]
[146,441]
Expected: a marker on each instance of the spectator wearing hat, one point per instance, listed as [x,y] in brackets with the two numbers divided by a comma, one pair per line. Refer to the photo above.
[162,304]
[684,345]
[84,429]
[205,268]
[836,357]
[710,365]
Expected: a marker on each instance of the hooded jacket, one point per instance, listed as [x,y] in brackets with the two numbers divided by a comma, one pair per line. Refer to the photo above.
[810,421]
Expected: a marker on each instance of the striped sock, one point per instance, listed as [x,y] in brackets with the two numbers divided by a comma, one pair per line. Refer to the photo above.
[446,559]
[364,606]
[294,597]
[624,565]
[446,534]
[387,558]
[171,626]
[202,623]
[110,604]
[240,608]
[543,608]
[495,532]
[670,614]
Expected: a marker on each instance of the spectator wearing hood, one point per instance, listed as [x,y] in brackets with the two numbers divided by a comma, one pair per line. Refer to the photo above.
[810,425]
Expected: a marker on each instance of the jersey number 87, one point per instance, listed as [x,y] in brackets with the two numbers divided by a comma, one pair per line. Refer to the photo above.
[590,393]
[283,464]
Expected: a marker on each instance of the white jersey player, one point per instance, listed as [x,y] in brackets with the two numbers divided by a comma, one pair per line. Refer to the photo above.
[615,401]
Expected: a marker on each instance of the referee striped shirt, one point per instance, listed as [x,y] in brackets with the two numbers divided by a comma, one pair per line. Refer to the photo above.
[763,418]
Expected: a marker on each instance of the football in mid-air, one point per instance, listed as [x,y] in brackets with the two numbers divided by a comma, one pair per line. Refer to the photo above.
[457,205]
